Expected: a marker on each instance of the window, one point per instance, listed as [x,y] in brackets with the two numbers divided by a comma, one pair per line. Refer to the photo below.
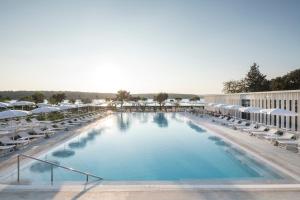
[296,123]
[275,103]
[284,104]
[275,120]
[290,122]
[270,103]
[279,103]
[296,106]
[279,122]
[290,107]
[246,102]
[284,122]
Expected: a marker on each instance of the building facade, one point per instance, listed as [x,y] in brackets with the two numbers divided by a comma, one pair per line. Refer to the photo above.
[288,100]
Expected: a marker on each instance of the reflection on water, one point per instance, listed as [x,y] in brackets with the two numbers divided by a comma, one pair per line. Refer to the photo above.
[143,117]
[214,138]
[160,120]
[195,127]
[77,145]
[41,167]
[63,153]
[176,118]
[222,143]
[123,121]
[81,143]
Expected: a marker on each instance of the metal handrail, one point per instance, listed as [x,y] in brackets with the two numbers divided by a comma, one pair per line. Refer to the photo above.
[57,165]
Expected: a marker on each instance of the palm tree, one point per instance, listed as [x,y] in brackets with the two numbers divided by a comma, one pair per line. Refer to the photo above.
[122,95]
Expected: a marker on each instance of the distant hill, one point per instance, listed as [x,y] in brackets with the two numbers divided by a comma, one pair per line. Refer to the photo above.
[82,95]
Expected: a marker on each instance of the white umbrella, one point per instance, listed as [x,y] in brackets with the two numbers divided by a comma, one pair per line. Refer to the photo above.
[220,105]
[67,106]
[278,111]
[3,105]
[45,110]
[249,109]
[44,105]
[211,104]
[232,107]
[23,103]
[13,113]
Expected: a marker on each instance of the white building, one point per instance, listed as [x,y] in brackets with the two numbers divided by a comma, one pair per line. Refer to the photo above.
[288,100]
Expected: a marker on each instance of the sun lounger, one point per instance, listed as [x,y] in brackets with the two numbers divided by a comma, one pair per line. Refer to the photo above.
[284,136]
[242,125]
[42,132]
[26,136]
[251,127]
[7,141]
[234,123]
[288,142]
[260,129]
[270,132]
[54,127]
[4,150]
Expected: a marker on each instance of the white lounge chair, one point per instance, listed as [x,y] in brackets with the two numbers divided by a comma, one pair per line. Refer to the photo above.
[242,125]
[50,127]
[7,141]
[251,127]
[284,136]
[26,136]
[234,123]
[270,132]
[260,129]
[4,150]
[44,132]
[288,142]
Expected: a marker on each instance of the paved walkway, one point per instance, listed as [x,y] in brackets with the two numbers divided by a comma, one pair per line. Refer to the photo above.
[146,193]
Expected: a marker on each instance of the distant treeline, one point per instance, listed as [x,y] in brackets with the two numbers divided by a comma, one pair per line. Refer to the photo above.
[22,95]
[255,81]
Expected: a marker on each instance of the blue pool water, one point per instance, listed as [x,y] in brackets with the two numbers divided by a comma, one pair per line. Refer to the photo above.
[148,146]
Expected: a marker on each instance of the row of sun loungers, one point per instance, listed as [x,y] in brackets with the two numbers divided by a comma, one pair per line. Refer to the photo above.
[276,136]
[19,134]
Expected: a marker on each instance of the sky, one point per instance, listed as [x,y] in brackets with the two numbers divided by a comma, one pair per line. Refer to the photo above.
[143,46]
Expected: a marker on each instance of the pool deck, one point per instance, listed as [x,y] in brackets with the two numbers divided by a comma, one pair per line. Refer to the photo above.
[281,159]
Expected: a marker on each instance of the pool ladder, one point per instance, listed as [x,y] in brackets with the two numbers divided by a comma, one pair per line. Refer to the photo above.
[56,165]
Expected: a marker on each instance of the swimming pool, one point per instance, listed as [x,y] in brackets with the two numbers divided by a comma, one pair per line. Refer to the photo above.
[151,147]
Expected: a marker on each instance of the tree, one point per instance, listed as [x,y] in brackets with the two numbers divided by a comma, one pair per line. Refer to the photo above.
[136,99]
[196,98]
[277,83]
[86,100]
[122,95]
[38,97]
[160,98]
[4,98]
[234,86]
[57,98]
[255,81]
[178,99]
[292,80]
[26,98]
